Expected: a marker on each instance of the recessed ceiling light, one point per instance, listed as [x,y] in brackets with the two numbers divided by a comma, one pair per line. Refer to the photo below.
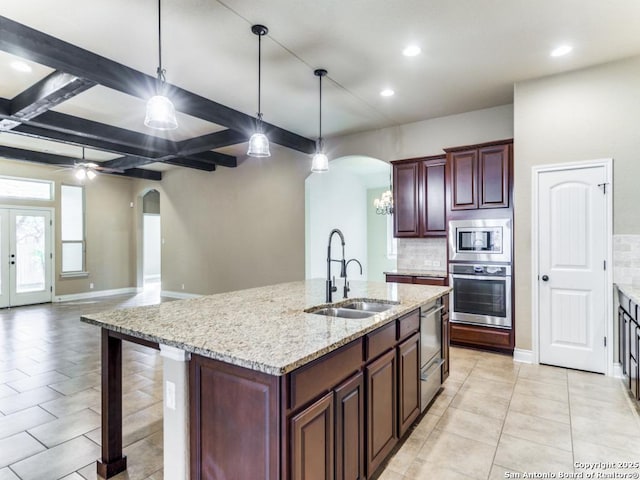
[561,50]
[411,51]
[20,66]
[387,92]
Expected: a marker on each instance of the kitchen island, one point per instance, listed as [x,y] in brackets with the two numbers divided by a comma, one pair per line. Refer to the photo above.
[262,381]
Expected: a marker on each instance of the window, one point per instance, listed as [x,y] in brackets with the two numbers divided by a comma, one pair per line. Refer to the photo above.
[26,188]
[72,229]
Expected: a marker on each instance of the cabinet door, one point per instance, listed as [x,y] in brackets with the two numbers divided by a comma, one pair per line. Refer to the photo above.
[399,279]
[433,208]
[405,199]
[463,181]
[382,410]
[633,358]
[312,442]
[636,391]
[493,171]
[622,346]
[350,447]
[408,382]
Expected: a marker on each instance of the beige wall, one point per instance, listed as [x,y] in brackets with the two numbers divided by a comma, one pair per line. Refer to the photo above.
[108,226]
[232,228]
[427,137]
[583,115]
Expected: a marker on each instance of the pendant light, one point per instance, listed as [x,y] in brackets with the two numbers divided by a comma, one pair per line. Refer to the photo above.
[161,114]
[259,143]
[320,162]
[85,170]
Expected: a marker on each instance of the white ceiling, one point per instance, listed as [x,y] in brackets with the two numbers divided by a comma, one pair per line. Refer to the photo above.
[472,53]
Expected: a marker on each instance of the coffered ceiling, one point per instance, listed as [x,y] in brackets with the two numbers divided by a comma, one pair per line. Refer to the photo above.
[472,54]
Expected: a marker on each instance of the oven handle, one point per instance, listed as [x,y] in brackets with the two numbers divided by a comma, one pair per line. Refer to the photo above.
[432,311]
[480,277]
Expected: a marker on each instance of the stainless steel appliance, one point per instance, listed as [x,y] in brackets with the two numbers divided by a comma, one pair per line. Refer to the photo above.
[480,240]
[481,294]
[430,352]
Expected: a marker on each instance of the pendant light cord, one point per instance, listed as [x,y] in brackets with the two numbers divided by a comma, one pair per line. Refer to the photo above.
[320,115]
[259,116]
[160,71]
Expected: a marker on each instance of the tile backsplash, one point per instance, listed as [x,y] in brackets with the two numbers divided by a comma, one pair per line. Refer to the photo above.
[422,254]
[626,259]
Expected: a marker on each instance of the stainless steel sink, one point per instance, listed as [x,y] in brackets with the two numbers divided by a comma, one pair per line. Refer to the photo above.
[368,306]
[343,312]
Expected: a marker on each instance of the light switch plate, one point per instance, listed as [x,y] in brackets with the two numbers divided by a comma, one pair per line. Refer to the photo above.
[170,395]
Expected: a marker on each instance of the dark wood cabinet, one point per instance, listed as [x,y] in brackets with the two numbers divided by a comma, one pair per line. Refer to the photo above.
[417,279]
[629,342]
[350,448]
[433,205]
[382,409]
[405,199]
[466,335]
[419,197]
[493,181]
[408,382]
[464,180]
[479,176]
[312,442]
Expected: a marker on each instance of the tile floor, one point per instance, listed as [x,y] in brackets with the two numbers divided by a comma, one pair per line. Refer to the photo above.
[494,418]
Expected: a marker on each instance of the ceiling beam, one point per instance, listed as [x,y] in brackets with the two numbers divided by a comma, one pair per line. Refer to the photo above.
[211,141]
[64,161]
[39,47]
[47,93]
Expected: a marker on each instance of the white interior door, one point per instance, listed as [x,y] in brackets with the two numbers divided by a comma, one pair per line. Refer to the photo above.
[25,245]
[572,229]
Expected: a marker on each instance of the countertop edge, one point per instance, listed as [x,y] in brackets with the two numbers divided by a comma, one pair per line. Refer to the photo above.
[630,291]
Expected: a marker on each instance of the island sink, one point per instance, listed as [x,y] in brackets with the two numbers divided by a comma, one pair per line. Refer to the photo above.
[375,307]
[343,312]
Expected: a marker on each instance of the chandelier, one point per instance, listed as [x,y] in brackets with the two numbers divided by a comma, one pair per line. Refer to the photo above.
[384,204]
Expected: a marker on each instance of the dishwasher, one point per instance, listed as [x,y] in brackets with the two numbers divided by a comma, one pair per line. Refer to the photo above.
[430,351]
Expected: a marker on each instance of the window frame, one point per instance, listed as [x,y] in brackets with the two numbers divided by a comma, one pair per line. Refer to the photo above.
[30,180]
[83,271]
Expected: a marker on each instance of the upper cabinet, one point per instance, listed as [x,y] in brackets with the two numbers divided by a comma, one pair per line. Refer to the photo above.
[479,176]
[419,197]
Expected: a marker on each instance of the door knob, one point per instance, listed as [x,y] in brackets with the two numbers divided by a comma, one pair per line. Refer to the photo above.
[545,278]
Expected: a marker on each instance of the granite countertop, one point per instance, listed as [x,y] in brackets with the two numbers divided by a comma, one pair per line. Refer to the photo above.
[418,273]
[631,291]
[266,328]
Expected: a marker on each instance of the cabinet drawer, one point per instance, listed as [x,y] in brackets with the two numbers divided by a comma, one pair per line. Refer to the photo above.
[309,381]
[380,340]
[480,336]
[399,279]
[408,324]
[438,281]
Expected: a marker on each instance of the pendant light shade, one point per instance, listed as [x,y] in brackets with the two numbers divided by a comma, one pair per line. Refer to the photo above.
[161,114]
[259,143]
[320,161]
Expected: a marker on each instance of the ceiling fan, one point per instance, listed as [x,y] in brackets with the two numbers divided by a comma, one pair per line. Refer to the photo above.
[85,169]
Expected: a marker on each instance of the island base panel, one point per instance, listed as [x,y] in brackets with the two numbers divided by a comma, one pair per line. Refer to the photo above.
[234,421]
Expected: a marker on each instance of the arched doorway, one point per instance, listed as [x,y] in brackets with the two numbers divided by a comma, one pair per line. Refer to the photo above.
[151,241]
[343,198]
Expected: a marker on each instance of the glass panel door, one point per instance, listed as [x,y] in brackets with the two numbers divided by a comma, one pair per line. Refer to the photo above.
[30,256]
[4,258]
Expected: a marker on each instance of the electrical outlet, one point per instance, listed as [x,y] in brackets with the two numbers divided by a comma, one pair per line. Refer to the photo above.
[170,395]
[91,286]
[183,286]
[436,263]
[131,204]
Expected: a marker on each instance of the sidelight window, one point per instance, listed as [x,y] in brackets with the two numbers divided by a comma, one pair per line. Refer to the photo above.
[72,229]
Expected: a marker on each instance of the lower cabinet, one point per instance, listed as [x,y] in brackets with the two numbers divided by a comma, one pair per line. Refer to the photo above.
[382,409]
[445,339]
[312,441]
[408,382]
[629,342]
[349,401]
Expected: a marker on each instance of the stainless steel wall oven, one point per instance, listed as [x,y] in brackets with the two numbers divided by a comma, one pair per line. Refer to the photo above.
[481,294]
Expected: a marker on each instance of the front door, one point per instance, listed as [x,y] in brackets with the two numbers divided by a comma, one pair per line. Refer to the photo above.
[25,250]
[572,229]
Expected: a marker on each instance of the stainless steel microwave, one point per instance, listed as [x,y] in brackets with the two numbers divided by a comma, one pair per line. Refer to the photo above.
[481,240]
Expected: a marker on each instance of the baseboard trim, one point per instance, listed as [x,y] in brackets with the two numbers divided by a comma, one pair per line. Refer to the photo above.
[522,356]
[180,295]
[97,293]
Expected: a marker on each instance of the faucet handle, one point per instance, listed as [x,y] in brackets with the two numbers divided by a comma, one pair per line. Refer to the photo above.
[334,288]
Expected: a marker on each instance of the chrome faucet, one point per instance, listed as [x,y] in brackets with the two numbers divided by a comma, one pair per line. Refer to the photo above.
[330,285]
[346,283]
